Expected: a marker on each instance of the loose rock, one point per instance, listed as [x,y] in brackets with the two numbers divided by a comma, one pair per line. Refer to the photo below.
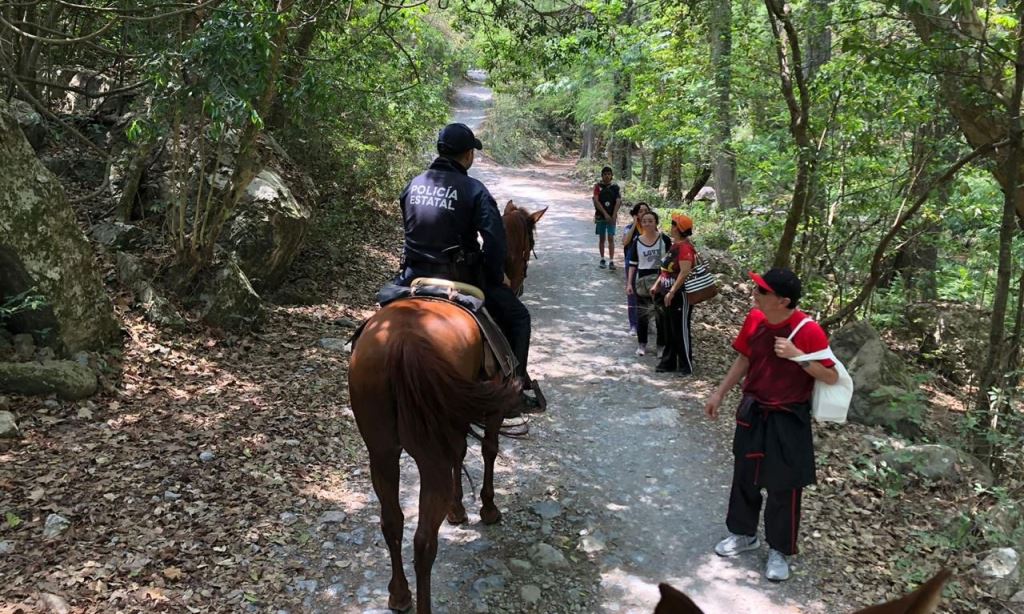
[8,427]
[55,525]
[332,344]
[547,556]
[547,509]
[69,380]
[332,516]
[530,594]
[55,604]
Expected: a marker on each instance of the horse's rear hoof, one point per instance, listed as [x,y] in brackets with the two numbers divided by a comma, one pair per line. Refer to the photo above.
[403,604]
[490,516]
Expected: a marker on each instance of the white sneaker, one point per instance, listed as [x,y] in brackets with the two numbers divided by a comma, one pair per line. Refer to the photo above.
[777,569]
[737,544]
[641,350]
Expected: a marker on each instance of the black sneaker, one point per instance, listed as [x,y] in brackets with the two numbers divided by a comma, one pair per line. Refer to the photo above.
[603,264]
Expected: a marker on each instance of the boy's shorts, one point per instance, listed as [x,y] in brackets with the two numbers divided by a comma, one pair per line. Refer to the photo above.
[604,227]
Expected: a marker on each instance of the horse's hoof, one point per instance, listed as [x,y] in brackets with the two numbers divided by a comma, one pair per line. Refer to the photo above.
[403,604]
[459,517]
[492,516]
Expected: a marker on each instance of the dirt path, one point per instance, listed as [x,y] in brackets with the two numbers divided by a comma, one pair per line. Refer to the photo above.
[623,477]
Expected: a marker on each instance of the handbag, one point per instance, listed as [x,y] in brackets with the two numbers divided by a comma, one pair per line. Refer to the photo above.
[700,284]
[644,283]
[829,402]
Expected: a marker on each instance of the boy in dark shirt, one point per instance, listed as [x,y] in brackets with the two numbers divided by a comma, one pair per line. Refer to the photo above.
[607,200]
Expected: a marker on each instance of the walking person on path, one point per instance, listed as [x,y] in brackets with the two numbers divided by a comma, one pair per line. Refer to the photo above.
[607,200]
[444,209]
[629,234]
[643,265]
[773,444]
[675,268]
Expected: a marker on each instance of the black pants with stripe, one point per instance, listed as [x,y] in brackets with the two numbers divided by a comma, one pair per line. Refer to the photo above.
[678,355]
[781,511]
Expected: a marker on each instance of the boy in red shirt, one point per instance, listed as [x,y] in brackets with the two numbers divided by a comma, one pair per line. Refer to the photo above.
[773,445]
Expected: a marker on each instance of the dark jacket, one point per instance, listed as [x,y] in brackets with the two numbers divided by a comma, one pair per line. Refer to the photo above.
[443,210]
[779,439]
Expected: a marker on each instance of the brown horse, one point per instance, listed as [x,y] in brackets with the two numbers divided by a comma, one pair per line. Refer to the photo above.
[414,384]
[922,601]
[519,225]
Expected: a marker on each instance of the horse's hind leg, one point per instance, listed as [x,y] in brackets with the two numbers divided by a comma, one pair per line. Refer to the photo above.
[457,513]
[435,500]
[384,471]
[489,513]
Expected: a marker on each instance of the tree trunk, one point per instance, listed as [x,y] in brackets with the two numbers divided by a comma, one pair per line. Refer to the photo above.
[698,182]
[292,73]
[798,101]
[675,178]
[720,30]
[917,261]
[971,77]
[654,175]
[587,147]
[204,238]
[991,398]
[819,38]
[136,167]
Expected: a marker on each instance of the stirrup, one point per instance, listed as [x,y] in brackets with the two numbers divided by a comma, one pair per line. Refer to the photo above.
[538,404]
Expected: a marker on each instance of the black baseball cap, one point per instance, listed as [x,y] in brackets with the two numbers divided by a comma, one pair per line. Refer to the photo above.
[782,282]
[457,138]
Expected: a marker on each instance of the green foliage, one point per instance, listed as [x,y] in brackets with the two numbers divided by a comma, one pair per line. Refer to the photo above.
[29,300]
[365,123]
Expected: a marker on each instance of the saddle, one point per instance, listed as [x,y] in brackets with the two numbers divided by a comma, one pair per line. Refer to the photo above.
[498,358]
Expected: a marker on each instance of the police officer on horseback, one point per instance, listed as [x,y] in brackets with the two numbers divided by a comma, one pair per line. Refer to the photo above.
[444,211]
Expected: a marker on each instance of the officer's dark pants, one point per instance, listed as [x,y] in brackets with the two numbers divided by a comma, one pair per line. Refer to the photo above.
[514,319]
[781,512]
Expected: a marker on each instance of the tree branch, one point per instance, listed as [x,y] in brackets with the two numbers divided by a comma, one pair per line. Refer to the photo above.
[879,255]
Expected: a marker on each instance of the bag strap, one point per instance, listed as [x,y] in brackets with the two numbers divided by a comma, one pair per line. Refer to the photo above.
[826,354]
[798,327]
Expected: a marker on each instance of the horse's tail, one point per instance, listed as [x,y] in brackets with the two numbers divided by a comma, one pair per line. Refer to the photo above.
[436,403]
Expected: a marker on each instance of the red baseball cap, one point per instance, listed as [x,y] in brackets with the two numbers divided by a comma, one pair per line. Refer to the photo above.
[760,281]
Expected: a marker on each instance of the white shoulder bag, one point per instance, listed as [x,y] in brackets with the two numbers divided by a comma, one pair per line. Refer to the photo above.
[829,402]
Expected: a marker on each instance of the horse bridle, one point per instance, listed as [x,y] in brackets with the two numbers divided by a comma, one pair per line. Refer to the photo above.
[526,257]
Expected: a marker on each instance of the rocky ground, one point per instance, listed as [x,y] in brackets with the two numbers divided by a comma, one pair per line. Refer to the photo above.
[218,473]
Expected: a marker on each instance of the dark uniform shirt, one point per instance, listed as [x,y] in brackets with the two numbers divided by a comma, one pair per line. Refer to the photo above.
[443,210]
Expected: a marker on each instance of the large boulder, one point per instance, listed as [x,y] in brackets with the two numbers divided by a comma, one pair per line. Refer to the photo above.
[117,236]
[155,307]
[93,84]
[724,265]
[231,302]
[268,230]
[42,248]
[884,393]
[938,463]
[30,122]
[952,336]
[999,570]
[65,378]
